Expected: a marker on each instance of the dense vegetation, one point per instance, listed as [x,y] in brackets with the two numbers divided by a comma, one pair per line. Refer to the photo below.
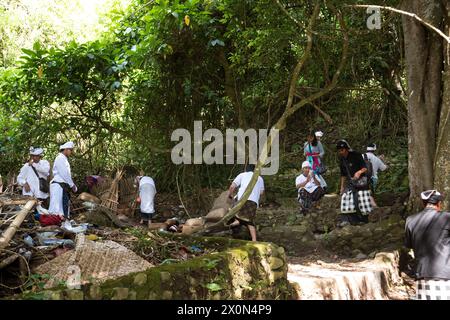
[163,64]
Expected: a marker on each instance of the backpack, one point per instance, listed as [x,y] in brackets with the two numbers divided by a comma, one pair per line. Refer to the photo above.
[368,165]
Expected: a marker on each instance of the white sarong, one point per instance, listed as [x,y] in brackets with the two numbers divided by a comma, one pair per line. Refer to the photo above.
[56,200]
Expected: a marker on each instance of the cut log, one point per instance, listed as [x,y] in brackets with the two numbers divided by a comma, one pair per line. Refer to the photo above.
[190,229]
[89,197]
[215,215]
[157,226]
[195,222]
[222,201]
[11,230]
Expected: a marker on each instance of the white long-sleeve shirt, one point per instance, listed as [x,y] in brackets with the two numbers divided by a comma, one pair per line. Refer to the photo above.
[147,191]
[61,170]
[27,175]
[377,164]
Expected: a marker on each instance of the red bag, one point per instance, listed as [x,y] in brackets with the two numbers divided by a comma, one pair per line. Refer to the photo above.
[50,220]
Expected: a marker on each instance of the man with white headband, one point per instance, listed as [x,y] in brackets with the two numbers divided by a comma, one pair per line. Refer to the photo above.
[62,182]
[309,187]
[33,177]
[428,234]
[147,192]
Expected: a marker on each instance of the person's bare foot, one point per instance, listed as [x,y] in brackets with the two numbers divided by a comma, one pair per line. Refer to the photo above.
[142,221]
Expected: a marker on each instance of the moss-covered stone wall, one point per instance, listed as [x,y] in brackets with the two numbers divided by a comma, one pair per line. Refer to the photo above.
[247,270]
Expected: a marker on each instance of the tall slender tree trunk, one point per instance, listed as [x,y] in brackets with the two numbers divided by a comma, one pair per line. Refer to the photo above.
[424,65]
[442,165]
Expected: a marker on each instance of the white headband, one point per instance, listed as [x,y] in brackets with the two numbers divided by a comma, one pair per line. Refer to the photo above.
[428,194]
[67,145]
[36,151]
[306,164]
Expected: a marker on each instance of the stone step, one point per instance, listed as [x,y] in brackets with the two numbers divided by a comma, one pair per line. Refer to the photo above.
[375,279]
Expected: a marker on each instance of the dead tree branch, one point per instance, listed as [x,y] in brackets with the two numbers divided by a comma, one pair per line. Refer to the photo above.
[412,15]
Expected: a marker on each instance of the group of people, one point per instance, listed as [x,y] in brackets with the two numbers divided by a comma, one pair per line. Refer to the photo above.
[427,232]
[358,182]
[54,194]
[34,176]
[356,199]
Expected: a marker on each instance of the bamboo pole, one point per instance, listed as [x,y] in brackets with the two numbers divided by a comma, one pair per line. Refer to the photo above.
[9,233]
[13,202]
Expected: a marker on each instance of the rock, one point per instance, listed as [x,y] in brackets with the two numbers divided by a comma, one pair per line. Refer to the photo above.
[132,295]
[95,292]
[153,296]
[167,295]
[361,256]
[281,251]
[165,276]
[275,263]
[216,296]
[57,295]
[192,281]
[372,254]
[140,279]
[120,294]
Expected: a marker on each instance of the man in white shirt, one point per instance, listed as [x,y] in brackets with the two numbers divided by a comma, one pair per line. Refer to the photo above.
[377,165]
[31,172]
[246,215]
[147,192]
[62,182]
[309,187]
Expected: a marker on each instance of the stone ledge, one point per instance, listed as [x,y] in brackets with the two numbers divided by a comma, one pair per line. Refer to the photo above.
[248,271]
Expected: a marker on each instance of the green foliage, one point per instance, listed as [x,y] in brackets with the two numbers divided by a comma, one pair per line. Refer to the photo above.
[211,263]
[214,287]
[164,64]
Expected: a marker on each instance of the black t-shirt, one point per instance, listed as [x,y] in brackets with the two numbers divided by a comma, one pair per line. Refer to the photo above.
[428,234]
[355,162]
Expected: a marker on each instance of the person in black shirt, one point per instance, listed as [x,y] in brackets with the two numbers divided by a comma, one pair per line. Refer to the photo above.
[354,187]
[428,234]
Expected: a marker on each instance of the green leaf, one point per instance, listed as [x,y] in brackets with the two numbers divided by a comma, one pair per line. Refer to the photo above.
[213,287]
[28,52]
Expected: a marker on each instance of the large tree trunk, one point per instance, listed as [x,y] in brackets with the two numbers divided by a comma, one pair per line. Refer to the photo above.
[442,165]
[424,64]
